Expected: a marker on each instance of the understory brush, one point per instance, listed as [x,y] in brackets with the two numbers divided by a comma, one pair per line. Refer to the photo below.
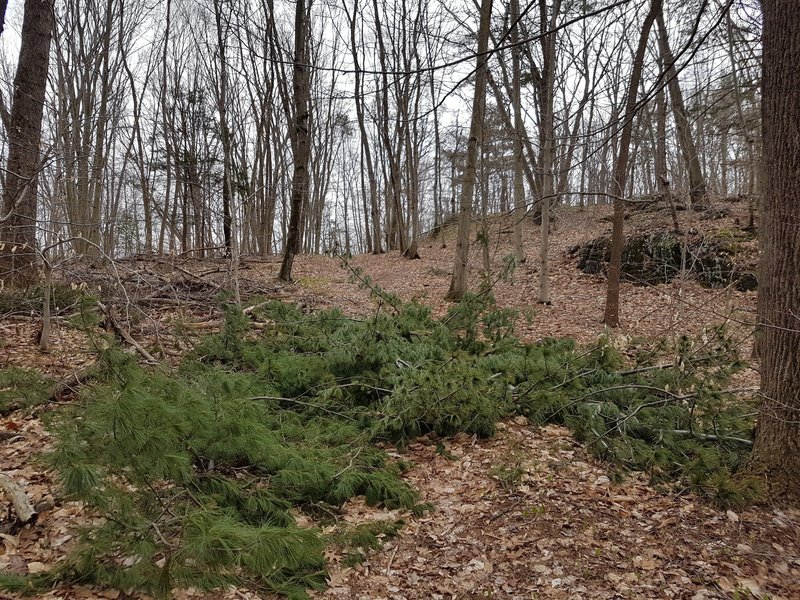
[197,476]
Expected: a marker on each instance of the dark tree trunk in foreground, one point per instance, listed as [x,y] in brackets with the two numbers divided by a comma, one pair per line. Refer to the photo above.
[611,316]
[301,125]
[776,454]
[18,218]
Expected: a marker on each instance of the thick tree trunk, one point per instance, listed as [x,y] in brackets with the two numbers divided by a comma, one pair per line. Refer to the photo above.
[611,316]
[776,453]
[18,218]
[458,282]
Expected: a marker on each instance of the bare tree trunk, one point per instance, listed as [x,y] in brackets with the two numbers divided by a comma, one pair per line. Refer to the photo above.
[458,282]
[394,221]
[375,217]
[661,169]
[136,136]
[301,142]
[697,183]
[548,131]
[165,121]
[776,452]
[18,219]
[101,151]
[519,131]
[611,317]
[438,210]
[222,109]
[749,142]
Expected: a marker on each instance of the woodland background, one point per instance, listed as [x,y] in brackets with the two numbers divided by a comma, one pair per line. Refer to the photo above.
[304,294]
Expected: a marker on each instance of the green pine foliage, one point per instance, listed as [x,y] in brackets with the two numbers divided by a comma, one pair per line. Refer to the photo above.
[21,388]
[197,475]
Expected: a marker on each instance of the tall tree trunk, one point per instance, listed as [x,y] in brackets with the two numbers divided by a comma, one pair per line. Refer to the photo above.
[519,131]
[748,139]
[548,134]
[697,183]
[301,145]
[18,219]
[394,221]
[136,137]
[165,124]
[611,316]
[458,282]
[374,210]
[661,169]
[101,145]
[227,153]
[776,453]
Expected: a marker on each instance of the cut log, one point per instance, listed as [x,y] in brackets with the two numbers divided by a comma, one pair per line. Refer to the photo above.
[19,499]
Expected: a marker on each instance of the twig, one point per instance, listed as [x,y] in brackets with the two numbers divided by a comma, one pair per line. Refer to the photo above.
[110,313]
[709,436]
[348,467]
[502,513]
[391,559]
[309,404]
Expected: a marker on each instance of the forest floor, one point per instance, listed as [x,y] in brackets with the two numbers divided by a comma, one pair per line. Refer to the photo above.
[526,514]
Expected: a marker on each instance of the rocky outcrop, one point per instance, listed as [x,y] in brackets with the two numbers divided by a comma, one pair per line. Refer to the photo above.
[716,260]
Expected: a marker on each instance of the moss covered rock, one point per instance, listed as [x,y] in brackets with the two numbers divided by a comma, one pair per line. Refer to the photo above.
[654,258]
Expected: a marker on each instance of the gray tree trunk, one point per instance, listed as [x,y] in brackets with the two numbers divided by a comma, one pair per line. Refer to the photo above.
[611,316]
[697,183]
[18,219]
[776,452]
[458,282]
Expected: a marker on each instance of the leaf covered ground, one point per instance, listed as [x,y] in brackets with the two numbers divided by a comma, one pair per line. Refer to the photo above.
[525,514]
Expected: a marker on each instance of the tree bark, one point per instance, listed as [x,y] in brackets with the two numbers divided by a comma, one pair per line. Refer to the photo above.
[697,183]
[374,210]
[519,131]
[302,118]
[458,282]
[19,499]
[776,453]
[394,213]
[611,316]
[18,219]
[548,135]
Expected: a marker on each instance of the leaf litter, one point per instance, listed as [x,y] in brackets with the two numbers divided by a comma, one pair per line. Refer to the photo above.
[526,514]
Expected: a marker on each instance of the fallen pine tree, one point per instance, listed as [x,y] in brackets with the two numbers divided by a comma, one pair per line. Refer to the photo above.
[197,475]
